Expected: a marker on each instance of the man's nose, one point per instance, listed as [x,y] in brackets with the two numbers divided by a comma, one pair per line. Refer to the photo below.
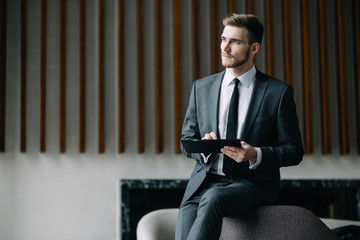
[226,46]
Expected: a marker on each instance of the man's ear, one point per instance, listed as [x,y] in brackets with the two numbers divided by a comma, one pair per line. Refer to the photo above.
[254,48]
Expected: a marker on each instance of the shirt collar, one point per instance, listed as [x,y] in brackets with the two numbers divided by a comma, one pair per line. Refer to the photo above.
[246,79]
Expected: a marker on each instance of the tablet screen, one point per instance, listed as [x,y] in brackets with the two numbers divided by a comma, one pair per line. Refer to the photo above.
[208,146]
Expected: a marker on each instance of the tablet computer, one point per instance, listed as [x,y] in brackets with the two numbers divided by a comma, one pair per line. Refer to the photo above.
[209,146]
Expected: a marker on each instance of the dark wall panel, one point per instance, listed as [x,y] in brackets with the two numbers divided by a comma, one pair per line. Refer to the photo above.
[357,66]
[325,86]
[23,68]
[62,131]
[343,94]
[43,66]
[140,77]
[82,76]
[121,77]
[177,72]
[101,84]
[308,90]
[3,29]
[159,78]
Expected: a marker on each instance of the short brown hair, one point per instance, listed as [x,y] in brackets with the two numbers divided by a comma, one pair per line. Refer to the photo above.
[248,21]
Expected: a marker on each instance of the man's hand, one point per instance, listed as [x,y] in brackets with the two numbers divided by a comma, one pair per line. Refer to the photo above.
[246,153]
[209,136]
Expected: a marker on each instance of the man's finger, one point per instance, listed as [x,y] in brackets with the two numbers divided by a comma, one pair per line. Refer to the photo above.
[244,144]
[206,137]
[213,135]
[231,148]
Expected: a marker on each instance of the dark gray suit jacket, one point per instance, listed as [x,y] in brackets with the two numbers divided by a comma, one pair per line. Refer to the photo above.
[271,123]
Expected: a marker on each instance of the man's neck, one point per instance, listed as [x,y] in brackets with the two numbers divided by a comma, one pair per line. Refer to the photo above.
[237,72]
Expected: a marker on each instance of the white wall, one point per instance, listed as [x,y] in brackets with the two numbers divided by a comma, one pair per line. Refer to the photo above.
[51,196]
[73,196]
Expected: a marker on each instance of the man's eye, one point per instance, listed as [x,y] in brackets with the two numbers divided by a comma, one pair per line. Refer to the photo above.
[236,41]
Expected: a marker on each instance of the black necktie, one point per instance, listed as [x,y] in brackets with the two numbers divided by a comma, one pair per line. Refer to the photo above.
[231,125]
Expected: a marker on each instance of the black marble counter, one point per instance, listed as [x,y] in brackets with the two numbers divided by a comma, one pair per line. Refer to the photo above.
[330,198]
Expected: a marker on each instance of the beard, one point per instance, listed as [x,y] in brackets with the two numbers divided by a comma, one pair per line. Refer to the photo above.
[237,62]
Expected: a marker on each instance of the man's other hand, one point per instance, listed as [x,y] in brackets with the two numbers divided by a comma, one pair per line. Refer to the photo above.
[209,136]
[246,153]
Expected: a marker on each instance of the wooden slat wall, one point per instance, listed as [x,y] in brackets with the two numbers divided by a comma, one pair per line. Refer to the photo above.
[174,33]
[140,77]
[3,34]
[288,42]
[43,77]
[251,6]
[308,99]
[215,36]
[270,59]
[196,39]
[343,96]
[23,75]
[325,86]
[251,10]
[178,77]
[357,66]
[101,52]
[62,76]
[159,78]
[82,76]
[232,6]
[121,77]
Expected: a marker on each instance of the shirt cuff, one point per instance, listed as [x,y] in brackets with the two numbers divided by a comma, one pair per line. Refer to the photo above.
[205,158]
[254,165]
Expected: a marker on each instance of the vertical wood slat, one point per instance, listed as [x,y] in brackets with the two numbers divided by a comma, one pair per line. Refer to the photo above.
[325,86]
[62,129]
[140,77]
[2,75]
[121,77]
[178,77]
[196,39]
[357,66]
[82,77]
[43,77]
[270,60]
[214,36]
[250,6]
[251,10]
[101,83]
[288,42]
[159,78]
[232,6]
[308,99]
[23,125]
[344,112]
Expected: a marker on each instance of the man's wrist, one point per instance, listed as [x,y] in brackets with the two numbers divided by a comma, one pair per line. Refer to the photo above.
[256,163]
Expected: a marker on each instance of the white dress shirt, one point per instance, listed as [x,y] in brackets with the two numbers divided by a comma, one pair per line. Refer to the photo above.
[246,86]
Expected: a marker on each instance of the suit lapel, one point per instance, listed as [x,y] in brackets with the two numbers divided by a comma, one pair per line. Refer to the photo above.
[214,90]
[257,97]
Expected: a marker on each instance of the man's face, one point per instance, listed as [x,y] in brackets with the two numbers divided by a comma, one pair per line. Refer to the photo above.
[235,49]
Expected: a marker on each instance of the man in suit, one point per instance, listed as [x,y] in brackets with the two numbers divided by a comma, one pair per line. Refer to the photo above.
[239,178]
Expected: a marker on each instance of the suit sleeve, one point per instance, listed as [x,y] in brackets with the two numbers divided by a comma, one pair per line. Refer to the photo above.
[288,150]
[190,130]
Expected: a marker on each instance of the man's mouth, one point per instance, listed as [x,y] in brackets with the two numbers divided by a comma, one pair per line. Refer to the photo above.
[225,55]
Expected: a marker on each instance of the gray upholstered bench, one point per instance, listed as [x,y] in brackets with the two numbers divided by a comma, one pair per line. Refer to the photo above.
[266,222]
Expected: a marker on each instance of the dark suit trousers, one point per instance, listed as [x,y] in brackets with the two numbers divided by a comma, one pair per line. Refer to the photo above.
[201,216]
